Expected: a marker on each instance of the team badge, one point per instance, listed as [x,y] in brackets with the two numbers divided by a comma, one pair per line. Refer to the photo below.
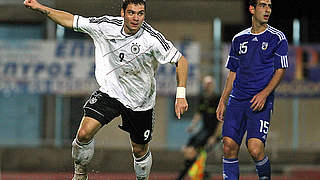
[135,49]
[264,46]
[93,100]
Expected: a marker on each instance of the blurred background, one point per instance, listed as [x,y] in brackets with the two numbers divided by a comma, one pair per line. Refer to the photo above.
[47,74]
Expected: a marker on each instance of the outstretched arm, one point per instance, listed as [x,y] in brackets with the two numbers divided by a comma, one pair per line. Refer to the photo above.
[63,18]
[181,104]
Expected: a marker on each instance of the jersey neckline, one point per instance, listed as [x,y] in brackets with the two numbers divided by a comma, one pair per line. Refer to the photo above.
[258,33]
[138,33]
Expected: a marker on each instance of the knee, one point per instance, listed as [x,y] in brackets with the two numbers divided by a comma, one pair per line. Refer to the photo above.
[256,149]
[256,153]
[83,135]
[230,148]
[88,128]
[139,150]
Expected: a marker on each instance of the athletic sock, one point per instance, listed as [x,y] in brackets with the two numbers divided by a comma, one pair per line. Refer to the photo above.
[82,143]
[263,169]
[230,169]
[82,154]
[142,166]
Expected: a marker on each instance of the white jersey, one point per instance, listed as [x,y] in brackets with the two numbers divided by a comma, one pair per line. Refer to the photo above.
[126,65]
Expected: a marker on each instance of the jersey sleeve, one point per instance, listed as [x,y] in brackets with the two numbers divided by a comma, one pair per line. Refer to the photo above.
[281,55]
[233,59]
[164,51]
[85,25]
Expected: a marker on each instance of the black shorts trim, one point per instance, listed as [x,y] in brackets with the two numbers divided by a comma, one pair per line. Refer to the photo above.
[89,112]
[103,108]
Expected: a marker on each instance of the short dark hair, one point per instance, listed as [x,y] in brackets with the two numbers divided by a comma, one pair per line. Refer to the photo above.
[253,3]
[125,3]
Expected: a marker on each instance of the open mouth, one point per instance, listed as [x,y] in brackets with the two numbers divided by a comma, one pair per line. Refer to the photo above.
[266,16]
[134,24]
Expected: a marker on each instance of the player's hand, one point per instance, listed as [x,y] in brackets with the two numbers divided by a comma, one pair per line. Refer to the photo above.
[181,106]
[220,111]
[32,4]
[258,101]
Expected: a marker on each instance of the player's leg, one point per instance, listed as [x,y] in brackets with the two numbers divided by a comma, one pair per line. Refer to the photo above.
[233,129]
[142,160]
[256,150]
[140,126]
[99,110]
[83,147]
[230,159]
[258,126]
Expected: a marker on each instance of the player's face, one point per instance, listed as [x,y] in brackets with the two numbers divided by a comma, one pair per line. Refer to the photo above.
[262,11]
[133,17]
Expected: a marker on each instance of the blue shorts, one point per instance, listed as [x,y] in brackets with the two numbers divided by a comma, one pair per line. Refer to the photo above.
[240,118]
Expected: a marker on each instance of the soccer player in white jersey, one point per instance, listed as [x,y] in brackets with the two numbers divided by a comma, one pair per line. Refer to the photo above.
[127,54]
[257,61]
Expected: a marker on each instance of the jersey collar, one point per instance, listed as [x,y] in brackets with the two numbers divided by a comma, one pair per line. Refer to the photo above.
[258,33]
[125,35]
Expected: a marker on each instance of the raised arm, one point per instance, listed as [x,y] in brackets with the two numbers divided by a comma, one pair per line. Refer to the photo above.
[181,104]
[63,18]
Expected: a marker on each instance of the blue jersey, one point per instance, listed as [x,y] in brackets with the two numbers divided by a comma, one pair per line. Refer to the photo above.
[254,58]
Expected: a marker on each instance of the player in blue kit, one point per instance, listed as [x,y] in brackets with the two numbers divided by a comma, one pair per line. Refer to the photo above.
[257,61]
